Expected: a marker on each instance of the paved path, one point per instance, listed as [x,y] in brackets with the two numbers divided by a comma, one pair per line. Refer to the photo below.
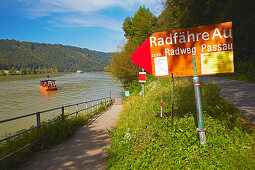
[84,150]
[239,93]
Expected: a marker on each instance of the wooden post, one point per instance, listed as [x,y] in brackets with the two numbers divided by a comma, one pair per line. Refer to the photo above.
[86,109]
[38,129]
[92,106]
[63,113]
[77,111]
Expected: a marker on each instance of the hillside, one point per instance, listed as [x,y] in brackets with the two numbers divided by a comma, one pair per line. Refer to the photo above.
[19,55]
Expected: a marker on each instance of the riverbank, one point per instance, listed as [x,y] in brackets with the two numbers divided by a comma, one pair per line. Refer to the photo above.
[143,140]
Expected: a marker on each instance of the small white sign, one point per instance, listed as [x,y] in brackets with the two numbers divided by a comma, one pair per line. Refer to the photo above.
[161,66]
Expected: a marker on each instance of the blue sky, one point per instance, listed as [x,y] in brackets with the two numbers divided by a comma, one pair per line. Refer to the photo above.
[92,24]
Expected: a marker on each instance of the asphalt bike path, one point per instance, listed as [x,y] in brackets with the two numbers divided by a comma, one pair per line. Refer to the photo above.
[239,93]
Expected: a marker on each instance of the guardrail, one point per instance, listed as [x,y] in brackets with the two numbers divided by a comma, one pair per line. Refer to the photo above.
[90,107]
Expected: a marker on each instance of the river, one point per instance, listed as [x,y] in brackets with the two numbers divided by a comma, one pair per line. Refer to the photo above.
[21,94]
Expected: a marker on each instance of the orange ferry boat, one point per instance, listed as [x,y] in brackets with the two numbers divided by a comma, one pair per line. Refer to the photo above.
[48,85]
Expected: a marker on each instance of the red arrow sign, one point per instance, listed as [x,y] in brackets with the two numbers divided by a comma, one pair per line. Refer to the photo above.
[169,52]
[142,56]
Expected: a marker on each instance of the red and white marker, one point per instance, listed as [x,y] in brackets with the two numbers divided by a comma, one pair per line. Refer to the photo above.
[142,77]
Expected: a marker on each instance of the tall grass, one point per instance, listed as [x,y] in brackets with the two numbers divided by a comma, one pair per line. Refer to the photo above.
[143,141]
[51,134]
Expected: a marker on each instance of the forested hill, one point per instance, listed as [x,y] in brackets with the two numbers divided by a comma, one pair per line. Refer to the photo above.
[20,55]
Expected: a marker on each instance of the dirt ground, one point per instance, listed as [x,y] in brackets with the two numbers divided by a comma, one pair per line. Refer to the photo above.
[84,150]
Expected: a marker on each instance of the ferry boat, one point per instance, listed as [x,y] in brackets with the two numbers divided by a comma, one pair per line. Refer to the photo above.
[48,84]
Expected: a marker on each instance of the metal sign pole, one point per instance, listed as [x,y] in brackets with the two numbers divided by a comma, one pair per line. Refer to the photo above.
[143,89]
[143,84]
[200,129]
[172,105]
[123,96]
[161,113]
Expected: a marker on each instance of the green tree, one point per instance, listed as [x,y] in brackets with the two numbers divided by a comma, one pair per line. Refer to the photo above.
[13,70]
[137,29]
[28,70]
[33,71]
[141,26]
[121,65]
[187,13]
[23,71]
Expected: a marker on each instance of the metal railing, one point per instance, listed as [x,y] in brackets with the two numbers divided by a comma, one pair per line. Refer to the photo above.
[90,107]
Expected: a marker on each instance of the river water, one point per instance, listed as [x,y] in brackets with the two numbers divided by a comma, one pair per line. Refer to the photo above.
[20,95]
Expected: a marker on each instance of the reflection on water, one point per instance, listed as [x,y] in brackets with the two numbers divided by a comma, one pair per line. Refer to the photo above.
[21,95]
[48,93]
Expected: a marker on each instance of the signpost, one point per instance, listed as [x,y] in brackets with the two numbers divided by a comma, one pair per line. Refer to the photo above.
[202,50]
[161,108]
[200,129]
[169,52]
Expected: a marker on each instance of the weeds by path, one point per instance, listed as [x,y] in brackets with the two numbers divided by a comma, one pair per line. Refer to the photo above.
[143,141]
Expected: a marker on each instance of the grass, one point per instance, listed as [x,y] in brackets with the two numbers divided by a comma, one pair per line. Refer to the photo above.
[51,134]
[143,141]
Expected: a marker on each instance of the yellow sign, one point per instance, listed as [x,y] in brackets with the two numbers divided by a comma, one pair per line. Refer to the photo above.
[217,62]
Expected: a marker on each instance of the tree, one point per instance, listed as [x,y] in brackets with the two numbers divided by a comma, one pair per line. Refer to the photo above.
[121,65]
[141,26]
[137,29]
[187,13]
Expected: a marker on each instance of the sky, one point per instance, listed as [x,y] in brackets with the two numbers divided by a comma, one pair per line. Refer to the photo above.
[92,24]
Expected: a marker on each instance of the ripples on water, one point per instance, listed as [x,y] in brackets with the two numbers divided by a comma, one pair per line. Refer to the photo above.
[21,95]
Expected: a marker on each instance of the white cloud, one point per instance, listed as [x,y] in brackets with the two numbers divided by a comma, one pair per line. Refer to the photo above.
[44,7]
[92,21]
[83,13]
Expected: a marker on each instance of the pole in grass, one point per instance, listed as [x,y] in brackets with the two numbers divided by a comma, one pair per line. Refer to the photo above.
[161,111]
[142,79]
[200,129]
[172,103]
[123,95]
[111,97]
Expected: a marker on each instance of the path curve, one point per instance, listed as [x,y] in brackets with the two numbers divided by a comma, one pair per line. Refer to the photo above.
[84,150]
[239,93]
